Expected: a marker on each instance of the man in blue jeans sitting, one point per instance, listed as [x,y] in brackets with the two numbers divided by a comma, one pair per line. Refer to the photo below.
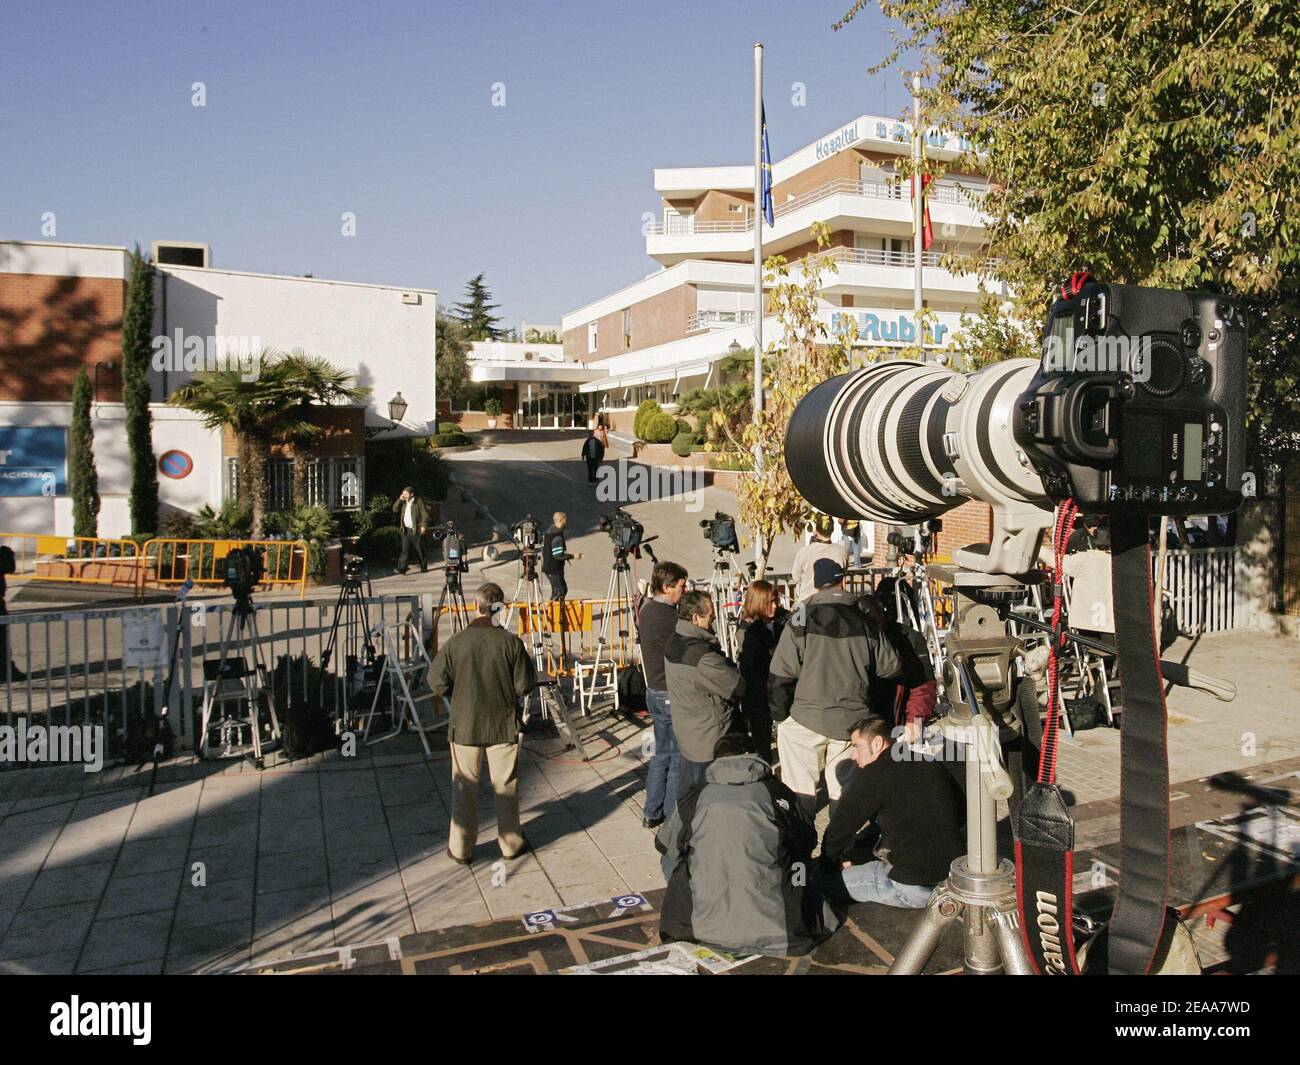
[914,805]
[655,624]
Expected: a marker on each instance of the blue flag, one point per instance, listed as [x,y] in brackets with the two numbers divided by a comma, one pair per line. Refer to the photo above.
[767,172]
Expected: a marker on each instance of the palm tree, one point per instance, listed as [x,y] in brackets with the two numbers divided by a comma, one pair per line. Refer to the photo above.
[317,382]
[259,411]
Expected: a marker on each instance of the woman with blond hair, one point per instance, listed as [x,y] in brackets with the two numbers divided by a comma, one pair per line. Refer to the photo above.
[761,618]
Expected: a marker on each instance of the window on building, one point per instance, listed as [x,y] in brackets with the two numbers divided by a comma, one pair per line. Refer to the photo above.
[591,338]
[336,483]
[627,328]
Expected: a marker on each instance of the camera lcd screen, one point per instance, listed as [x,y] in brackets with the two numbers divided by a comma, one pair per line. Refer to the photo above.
[1193,438]
[1144,446]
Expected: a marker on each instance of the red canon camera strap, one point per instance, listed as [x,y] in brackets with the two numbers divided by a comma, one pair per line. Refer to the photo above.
[1045,831]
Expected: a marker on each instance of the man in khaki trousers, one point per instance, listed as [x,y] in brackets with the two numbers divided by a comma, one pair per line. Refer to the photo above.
[484,671]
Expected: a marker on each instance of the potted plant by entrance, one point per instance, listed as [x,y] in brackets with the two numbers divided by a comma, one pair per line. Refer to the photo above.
[492,408]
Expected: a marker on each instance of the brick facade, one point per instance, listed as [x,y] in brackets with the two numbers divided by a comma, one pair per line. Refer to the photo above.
[344,435]
[655,320]
[50,327]
[970,523]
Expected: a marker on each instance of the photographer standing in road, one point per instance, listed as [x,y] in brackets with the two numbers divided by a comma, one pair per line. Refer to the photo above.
[555,553]
[655,626]
[704,687]
[819,547]
[413,521]
[830,657]
[484,670]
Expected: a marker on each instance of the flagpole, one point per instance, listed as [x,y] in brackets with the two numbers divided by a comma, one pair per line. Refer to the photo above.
[758,269]
[918,193]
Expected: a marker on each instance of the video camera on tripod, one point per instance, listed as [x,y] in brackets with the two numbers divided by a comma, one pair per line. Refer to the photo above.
[626,533]
[1136,408]
[454,555]
[915,539]
[243,570]
[720,531]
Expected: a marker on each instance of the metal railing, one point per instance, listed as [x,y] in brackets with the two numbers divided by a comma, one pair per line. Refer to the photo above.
[171,562]
[1202,588]
[905,259]
[109,668]
[938,192]
[77,559]
[718,320]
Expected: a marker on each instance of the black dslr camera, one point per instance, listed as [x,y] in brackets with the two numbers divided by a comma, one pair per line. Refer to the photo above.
[720,531]
[453,546]
[244,569]
[915,539]
[1139,403]
[623,529]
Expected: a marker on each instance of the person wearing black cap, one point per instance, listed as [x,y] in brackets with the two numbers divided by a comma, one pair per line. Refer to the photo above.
[1087,537]
[828,659]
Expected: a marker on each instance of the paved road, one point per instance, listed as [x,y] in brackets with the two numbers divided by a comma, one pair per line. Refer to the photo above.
[540,472]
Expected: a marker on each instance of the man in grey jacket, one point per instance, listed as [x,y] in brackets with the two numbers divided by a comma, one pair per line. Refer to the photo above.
[826,662]
[736,855]
[484,670]
[702,686]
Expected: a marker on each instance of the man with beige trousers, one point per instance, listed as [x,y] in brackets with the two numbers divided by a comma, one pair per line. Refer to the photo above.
[484,671]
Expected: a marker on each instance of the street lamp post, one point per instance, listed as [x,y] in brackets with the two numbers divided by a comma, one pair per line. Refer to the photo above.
[397,407]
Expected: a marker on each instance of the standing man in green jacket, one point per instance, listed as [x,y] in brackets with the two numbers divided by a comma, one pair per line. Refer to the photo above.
[484,671]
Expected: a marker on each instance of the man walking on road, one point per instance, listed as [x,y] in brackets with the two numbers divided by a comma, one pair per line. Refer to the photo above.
[484,670]
[413,521]
[593,451]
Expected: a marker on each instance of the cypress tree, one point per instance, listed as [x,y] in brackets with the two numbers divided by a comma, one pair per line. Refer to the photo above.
[83,481]
[137,347]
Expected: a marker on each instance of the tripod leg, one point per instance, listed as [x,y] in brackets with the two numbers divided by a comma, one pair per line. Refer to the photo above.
[1011,948]
[940,913]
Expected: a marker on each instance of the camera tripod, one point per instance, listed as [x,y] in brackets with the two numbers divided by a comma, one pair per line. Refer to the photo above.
[722,586]
[980,891]
[619,597]
[361,665]
[233,687]
[452,597]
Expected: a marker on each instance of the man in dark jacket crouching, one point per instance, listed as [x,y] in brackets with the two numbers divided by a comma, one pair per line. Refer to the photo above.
[737,855]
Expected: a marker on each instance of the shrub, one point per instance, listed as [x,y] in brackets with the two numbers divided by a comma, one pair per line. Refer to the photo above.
[659,428]
[733,460]
[492,408]
[381,544]
[314,524]
[683,444]
[232,522]
[393,464]
[683,426]
[456,439]
[448,427]
[645,410]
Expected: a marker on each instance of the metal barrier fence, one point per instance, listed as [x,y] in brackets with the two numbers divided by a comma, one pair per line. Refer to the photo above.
[109,667]
[1202,586]
[76,559]
[171,562]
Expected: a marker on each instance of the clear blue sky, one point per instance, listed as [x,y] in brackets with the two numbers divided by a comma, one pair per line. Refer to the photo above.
[385,109]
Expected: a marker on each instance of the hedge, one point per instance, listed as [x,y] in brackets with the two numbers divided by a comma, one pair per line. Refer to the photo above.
[684,444]
[659,428]
[456,439]
[643,412]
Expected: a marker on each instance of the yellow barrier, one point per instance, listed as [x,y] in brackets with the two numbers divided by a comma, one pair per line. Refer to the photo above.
[75,559]
[171,562]
[581,632]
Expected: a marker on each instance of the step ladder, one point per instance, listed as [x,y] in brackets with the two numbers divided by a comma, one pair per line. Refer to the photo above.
[411,699]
